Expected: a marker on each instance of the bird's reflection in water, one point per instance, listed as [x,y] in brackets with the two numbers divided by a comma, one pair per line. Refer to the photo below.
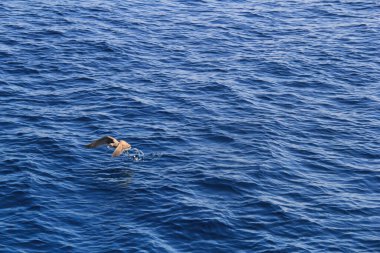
[120,176]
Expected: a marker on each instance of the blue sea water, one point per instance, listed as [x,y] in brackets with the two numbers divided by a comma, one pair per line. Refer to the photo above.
[263,119]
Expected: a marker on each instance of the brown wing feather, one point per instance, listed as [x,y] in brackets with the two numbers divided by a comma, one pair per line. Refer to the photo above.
[118,150]
[102,141]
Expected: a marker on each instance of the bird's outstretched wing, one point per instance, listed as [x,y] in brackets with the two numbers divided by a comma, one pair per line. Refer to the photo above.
[118,150]
[102,141]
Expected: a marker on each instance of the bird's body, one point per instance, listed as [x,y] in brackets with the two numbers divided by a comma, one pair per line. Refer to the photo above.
[120,146]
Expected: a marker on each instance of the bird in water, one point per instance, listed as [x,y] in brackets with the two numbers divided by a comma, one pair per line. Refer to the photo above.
[120,146]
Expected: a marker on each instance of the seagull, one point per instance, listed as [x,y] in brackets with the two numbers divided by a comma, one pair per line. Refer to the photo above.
[120,146]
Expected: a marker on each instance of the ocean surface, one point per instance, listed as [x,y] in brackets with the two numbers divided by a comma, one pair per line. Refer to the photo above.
[259,121]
